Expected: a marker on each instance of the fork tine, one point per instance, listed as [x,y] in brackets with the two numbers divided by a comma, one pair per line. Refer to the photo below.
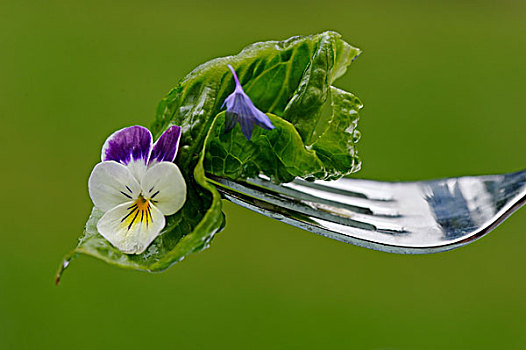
[353,188]
[352,232]
[339,198]
[405,217]
[288,199]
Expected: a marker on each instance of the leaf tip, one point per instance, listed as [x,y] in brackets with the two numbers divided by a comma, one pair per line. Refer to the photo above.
[63,266]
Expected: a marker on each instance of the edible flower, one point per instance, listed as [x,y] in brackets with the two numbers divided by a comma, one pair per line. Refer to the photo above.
[136,185]
[239,108]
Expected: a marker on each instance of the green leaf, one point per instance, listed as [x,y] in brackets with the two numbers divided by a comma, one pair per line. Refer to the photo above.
[291,79]
[314,137]
[335,142]
[188,231]
[279,153]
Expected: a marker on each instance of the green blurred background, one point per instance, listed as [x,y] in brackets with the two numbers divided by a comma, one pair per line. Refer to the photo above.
[443,83]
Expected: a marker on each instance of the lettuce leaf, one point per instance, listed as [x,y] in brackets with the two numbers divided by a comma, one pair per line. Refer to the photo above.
[314,137]
[281,153]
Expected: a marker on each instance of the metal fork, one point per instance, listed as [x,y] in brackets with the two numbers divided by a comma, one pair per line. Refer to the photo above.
[396,217]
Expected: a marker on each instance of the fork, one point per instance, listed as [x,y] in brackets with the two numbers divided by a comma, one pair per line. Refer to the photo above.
[397,217]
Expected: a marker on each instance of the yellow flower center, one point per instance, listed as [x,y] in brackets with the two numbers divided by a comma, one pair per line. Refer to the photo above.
[139,212]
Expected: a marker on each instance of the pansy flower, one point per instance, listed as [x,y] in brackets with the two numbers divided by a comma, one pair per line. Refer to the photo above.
[136,185]
[239,108]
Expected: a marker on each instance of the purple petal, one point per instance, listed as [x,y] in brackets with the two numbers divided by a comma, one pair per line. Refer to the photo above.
[230,121]
[129,144]
[246,126]
[240,104]
[262,120]
[240,108]
[165,149]
[229,101]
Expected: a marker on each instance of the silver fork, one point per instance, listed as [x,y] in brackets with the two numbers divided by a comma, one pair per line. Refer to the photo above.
[396,217]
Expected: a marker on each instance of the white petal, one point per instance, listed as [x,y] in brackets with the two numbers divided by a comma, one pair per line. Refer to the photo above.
[164,185]
[138,168]
[129,229]
[111,184]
